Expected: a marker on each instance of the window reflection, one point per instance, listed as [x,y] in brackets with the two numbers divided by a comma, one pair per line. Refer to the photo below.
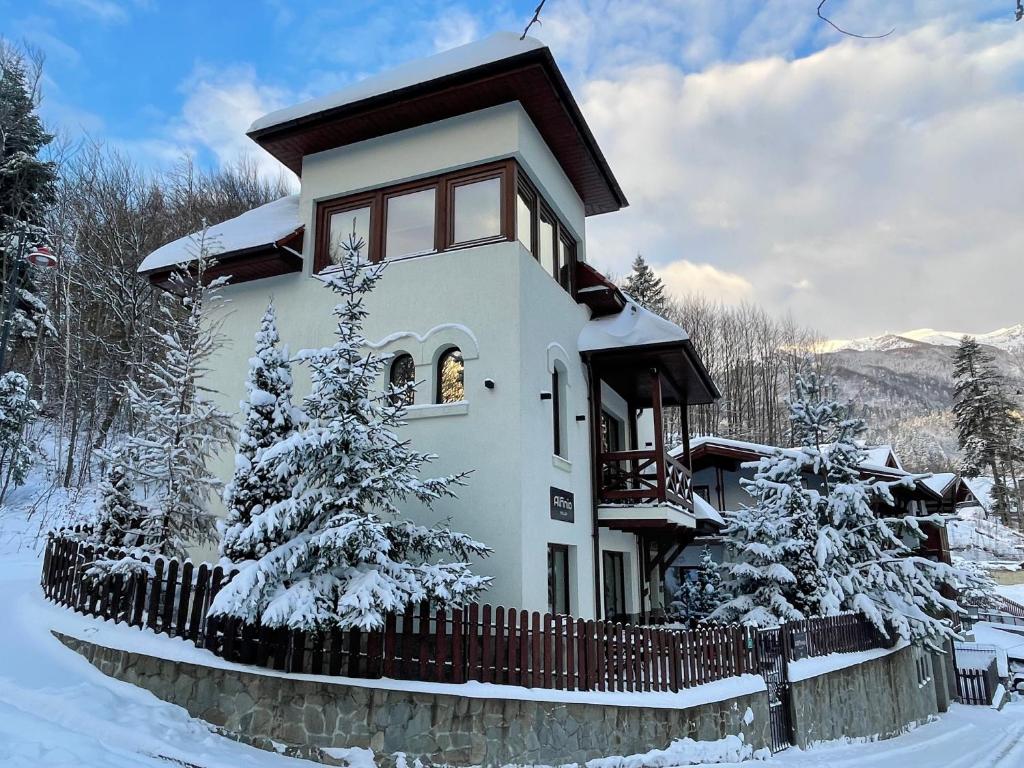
[451,386]
[546,232]
[524,215]
[349,229]
[477,210]
[402,377]
[410,224]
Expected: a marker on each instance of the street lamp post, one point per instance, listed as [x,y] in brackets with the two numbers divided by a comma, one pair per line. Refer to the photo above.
[40,256]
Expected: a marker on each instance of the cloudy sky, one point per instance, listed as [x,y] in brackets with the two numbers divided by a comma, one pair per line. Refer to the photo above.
[861,185]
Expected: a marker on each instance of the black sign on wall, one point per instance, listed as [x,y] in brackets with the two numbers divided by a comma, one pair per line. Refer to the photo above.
[799,645]
[563,505]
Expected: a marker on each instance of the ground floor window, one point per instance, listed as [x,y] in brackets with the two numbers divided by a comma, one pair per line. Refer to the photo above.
[614,568]
[558,579]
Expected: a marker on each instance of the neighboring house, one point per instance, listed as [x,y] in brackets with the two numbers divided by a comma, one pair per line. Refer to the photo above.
[472,173]
[718,465]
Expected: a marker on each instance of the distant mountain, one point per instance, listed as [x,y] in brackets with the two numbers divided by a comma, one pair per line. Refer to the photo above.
[1007,339]
[903,385]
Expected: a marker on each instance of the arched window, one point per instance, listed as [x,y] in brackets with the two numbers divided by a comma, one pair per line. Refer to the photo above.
[402,375]
[451,387]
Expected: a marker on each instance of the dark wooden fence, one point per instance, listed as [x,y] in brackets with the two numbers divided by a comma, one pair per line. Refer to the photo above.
[479,643]
[977,686]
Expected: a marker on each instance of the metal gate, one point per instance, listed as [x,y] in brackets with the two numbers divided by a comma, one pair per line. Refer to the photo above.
[771,662]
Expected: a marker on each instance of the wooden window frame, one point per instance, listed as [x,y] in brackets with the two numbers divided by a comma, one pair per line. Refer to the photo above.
[556,415]
[620,584]
[564,273]
[439,373]
[444,187]
[391,375]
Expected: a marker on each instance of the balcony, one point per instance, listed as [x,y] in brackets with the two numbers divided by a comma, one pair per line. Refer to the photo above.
[644,477]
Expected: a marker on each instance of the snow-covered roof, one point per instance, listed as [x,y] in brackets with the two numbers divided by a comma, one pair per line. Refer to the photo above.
[938,482]
[981,488]
[634,326]
[868,465]
[261,226]
[879,455]
[702,510]
[501,45]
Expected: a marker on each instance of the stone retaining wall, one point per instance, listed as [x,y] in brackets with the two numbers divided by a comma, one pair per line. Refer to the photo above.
[436,728]
[878,698]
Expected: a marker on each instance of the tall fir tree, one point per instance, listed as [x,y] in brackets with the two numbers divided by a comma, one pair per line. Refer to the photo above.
[344,555]
[268,417]
[984,423]
[645,287]
[119,515]
[178,427]
[28,185]
[17,411]
[761,543]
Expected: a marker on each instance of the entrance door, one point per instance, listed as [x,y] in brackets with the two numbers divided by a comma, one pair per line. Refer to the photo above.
[614,568]
[771,661]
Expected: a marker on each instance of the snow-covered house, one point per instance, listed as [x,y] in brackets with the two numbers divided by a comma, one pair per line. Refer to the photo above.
[718,465]
[473,173]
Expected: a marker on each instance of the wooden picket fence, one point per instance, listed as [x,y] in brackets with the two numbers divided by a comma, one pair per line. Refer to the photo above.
[977,686]
[479,643]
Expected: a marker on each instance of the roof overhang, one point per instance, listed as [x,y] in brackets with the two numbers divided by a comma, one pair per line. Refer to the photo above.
[268,260]
[690,383]
[532,78]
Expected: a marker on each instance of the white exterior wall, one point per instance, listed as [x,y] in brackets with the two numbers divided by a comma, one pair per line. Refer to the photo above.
[511,320]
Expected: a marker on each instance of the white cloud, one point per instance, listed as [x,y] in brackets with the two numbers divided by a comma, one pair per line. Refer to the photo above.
[684,277]
[218,108]
[454,27]
[108,11]
[867,185]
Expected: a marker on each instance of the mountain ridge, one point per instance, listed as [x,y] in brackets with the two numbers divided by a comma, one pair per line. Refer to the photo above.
[1010,338]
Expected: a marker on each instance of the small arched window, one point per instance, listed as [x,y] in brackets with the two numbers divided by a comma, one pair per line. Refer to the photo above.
[402,376]
[451,387]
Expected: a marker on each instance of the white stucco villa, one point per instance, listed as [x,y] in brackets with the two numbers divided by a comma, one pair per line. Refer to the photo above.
[474,172]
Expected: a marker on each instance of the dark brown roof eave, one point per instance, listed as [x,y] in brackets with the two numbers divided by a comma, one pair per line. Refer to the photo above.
[540,56]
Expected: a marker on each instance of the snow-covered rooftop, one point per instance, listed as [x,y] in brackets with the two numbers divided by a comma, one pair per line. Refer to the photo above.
[939,481]
[634,326]
[265,225]
[868,465]
[702,510]
[501,45]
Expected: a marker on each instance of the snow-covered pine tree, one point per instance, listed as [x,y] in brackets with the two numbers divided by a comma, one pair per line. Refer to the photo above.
[17,411]
[28,184]
[345,556]
[119,516]
[869,568]
[697,598]
[268,417]
[178,427]
[645,287]
[760,540]
[984,425]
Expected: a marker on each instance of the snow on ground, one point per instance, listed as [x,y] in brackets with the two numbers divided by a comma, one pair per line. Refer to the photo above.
[57,710]
[1013,592]
[974,536]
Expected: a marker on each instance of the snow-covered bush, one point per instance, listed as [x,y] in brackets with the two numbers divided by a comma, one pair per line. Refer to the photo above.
[17,411]
[697,598]
[342,554]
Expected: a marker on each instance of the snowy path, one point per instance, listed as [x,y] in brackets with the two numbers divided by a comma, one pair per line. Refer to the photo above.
[57,710]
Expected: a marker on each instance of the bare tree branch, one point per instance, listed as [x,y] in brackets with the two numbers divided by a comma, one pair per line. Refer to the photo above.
[534,20]
[850,34]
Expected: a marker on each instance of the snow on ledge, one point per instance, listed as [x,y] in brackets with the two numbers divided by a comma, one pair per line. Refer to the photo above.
[124,638]
[820,665]
[634,326]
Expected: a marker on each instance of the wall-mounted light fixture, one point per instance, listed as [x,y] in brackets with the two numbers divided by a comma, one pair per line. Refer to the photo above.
[489,383]
[581,417]
[545,395]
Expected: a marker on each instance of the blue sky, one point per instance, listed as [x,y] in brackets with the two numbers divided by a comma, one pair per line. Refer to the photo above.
[766,157]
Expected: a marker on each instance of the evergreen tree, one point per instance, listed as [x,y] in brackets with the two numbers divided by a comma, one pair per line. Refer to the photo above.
[868,566]
[646,288]
[178,428]
[17,411]
[268,417]
[343,554]
[27,184]
[119,516]
[697,598]
[761,542]
[984,424]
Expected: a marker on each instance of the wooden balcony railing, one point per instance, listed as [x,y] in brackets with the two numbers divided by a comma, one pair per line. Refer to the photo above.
[644,476]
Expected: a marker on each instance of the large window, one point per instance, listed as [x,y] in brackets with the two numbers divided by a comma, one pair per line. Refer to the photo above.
[410,223]
[451,376]
[558,579]
[488,203]
[402,376]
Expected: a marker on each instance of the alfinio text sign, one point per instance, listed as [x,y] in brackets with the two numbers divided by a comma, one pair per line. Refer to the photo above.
[563,505]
